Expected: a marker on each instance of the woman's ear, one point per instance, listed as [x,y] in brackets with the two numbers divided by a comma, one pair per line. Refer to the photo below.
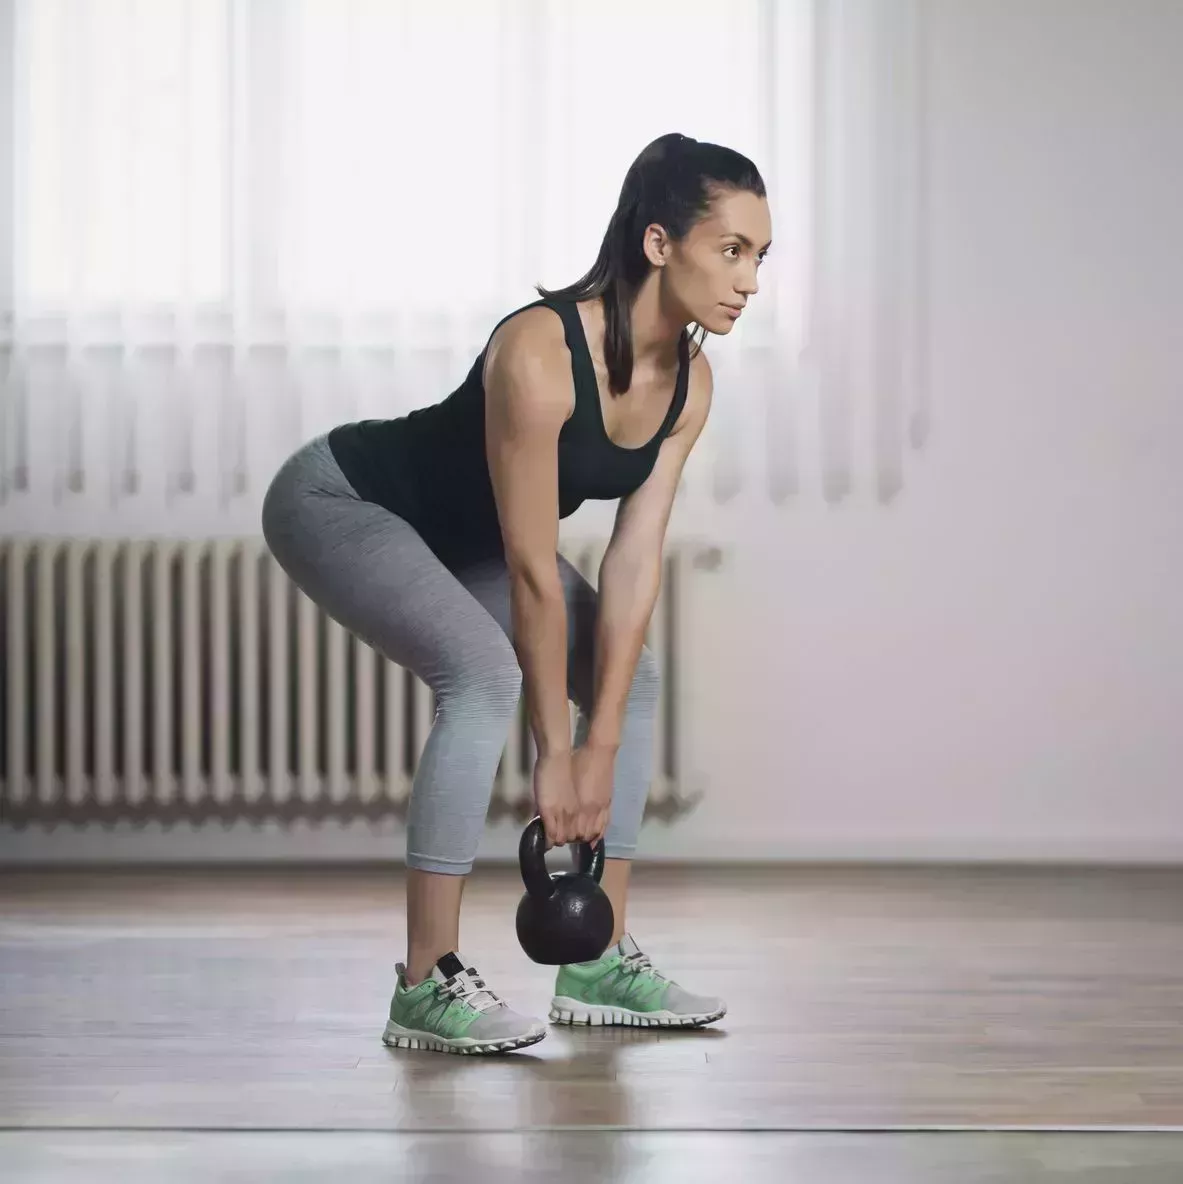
[656,244]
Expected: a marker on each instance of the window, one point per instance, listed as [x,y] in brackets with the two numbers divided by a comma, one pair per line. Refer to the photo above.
[345,156]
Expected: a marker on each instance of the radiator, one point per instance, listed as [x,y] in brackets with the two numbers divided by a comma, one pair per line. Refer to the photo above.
[172,680]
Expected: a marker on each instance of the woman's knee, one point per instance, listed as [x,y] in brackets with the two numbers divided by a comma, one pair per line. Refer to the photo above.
[488,681]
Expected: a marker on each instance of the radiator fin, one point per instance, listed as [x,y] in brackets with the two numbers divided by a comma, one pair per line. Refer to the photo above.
[171,680]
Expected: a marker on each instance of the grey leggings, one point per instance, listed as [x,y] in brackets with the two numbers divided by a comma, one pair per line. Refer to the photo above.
[371,572]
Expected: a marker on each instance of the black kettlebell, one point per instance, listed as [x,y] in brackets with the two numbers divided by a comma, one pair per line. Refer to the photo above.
[565,917]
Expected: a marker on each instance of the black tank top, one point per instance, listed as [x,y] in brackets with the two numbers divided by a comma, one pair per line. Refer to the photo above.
[430,466]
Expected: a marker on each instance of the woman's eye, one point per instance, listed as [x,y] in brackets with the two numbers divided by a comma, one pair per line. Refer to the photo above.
[733,247]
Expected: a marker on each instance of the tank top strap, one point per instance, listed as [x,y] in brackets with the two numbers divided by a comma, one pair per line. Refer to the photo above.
[587,391]
[583,371]
[681,387]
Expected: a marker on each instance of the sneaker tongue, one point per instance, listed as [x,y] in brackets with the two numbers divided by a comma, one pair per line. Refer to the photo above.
[453,964]
[448,966]
[627,947]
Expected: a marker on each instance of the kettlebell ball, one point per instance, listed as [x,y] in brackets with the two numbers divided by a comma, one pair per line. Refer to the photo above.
[566,916]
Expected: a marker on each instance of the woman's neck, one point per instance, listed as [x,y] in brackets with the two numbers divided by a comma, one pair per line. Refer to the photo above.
[656,329]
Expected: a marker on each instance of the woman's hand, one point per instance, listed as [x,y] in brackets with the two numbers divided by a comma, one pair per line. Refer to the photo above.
[554,796]
[593,768]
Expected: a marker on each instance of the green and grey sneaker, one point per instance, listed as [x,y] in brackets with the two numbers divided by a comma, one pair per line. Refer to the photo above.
[453,1011]
[621,987]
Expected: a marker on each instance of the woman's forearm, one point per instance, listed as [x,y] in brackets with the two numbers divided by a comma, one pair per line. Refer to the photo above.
[540,638]
[627,594]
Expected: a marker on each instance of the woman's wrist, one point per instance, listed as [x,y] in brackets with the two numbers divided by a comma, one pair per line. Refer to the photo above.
[602,736]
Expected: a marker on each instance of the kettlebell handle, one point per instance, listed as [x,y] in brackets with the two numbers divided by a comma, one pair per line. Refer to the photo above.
[532,859]
[591,860]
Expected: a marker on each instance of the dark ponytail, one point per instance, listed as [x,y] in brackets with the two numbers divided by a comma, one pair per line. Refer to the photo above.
[671,183]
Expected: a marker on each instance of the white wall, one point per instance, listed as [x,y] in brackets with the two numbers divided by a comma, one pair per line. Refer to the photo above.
[991,665]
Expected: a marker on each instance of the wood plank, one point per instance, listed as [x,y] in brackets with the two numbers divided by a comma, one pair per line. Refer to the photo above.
[589,1157]
[860,997]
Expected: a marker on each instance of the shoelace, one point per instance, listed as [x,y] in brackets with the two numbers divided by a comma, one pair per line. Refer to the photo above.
[639,963]
[472,990]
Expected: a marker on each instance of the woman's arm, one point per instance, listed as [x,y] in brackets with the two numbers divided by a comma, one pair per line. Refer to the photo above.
[630,574]
[529,395]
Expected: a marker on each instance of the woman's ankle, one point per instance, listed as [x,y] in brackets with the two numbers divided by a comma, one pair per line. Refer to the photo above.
[417,971]
[433,921]
[420,964]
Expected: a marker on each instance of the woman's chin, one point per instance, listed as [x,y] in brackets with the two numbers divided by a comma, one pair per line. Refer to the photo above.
[719,325]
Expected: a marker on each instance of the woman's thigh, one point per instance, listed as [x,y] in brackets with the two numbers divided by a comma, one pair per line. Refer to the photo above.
[373,573]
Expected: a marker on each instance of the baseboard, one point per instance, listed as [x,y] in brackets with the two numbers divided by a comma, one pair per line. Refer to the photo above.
[365,842]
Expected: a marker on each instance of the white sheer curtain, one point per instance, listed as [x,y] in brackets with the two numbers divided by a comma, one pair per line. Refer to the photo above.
[228,224]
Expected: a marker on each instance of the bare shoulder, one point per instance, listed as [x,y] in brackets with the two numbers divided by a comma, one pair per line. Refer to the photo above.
[528,364]
[534,327]
[700,388]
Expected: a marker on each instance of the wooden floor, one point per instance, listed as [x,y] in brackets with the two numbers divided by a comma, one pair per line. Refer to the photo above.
[176,1022]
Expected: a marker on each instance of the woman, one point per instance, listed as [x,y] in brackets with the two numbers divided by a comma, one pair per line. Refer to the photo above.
[433,537]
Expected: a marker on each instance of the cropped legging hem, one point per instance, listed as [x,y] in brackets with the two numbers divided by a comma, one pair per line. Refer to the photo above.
[462,867]
[433,863]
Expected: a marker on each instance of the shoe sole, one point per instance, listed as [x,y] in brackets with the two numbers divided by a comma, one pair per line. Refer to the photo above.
[396,1036]
[572,1012]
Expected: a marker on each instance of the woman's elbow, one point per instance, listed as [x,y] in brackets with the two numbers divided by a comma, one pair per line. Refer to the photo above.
[537,576]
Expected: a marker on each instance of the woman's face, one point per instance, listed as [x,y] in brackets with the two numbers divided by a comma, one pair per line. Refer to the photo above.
[711,274]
